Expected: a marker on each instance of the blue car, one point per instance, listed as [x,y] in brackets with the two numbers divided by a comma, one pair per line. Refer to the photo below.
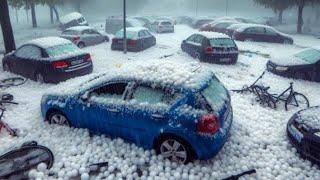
[184,114]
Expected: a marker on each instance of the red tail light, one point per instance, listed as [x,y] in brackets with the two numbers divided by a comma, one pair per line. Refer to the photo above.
[208,50]
[132,42]
[208,124]
[87,57]
[60,64]
[75,38]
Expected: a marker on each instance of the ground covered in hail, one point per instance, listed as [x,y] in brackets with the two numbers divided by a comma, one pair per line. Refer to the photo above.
[258,135]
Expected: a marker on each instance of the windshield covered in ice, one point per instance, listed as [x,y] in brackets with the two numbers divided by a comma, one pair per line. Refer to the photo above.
[130,34]
[310,55]
[222,42]
[62,49]
[215,94]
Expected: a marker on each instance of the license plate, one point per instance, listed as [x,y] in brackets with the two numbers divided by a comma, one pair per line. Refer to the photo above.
[77,62]
[295,133]
[225,59]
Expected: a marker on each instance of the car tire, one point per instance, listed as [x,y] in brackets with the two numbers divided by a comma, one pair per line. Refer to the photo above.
[175,149]
[287,41]
[57,117]
[6,67]
[81,45]
[39,78]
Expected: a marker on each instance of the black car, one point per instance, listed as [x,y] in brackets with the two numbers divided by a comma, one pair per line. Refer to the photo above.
[211,47]
[303,130]
[303,65]
[138,39]
[48,60]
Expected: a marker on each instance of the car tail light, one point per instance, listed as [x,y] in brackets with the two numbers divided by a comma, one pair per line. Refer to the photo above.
[60,64]
[208,50]
[132,42]
[87,57]
[75,38]
[208,124]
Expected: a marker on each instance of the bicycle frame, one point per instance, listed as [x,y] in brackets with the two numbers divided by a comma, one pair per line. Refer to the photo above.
[282,96]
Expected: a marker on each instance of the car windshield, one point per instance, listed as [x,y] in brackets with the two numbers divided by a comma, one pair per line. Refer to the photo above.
[130,34]
[309,55]
[166,23]
[61,50]
[215,94]
[222,42]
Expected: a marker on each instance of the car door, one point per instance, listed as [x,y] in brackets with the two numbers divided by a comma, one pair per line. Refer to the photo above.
[187,44]
[197,47]
[142,39]
[272,36]
[150,38]
[149,109]
[101,108]
[87,37]
[97,37]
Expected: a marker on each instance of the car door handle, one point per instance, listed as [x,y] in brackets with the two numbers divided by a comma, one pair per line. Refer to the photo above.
[157,116]
[113,110]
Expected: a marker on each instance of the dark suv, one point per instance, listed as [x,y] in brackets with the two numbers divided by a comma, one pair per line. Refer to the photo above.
[211,47]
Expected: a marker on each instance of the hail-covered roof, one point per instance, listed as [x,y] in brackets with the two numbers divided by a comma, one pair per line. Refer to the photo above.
[186,76]
[79,28]
[213,35]
[47,42]
[69,17]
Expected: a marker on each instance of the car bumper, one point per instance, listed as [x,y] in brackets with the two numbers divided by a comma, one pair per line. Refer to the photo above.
[272,68]
[304,145]
[119,47]
[57,76]
[231,58]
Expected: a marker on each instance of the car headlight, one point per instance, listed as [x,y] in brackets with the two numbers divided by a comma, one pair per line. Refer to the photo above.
[282,68]
[317,134]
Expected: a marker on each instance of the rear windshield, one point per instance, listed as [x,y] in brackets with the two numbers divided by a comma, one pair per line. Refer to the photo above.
[62,49]
[130,34]
[166,23]
[309,55]
[222,42]
[70,32]
[215,94]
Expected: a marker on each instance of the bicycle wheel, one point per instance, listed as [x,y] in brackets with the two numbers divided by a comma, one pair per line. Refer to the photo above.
[264,97]
[15,81]
[297,100]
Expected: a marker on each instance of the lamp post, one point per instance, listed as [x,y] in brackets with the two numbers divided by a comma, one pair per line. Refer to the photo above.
[197,6]
[124,28]
[227,7]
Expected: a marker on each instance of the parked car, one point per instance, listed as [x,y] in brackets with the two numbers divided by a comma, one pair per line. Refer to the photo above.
[232,28]
[303,130]
[150,105]
[48,60]
[83,36]
[161,26]
[198,23]
[211,47]
[184,20]
[138,39]
[218,26]
[303,65]
[145,20]
[115,24]
[72,19]
[261,33]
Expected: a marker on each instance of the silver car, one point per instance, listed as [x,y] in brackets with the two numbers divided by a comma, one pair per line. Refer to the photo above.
[161,26]
[83,36]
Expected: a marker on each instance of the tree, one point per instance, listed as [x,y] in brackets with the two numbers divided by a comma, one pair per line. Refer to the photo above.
[278,6]
[27,4]
[301,5]
[52,7]
[6,27]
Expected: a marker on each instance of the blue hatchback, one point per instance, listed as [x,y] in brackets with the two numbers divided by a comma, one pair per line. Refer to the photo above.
[183,112]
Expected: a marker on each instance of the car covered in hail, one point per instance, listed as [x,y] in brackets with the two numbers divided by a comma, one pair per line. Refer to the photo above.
[48,60]
[302,65]
[303,130]
[182,111]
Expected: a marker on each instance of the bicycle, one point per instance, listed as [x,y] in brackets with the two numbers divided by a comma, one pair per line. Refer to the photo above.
[9,82]
[290,97]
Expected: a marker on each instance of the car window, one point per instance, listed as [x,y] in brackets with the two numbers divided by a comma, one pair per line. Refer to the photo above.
[215,94]
[192,38]
[271,32]
[147,95]
[309,55]
[147,33]
[256,30]
[29,52]
[107,92]
[130,34]
[198,39]
[61,50]
[222,42]
[87,31]
[201,103]
[142,34]
[165,23]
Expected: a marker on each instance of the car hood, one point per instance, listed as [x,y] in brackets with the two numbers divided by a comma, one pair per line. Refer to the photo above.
[288,61]
[310,117]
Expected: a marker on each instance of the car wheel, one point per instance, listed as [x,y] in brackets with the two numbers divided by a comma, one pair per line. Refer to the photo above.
[175,149]
[287,41]
[58,118]
[81,45]
[6,67]
[39,78]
